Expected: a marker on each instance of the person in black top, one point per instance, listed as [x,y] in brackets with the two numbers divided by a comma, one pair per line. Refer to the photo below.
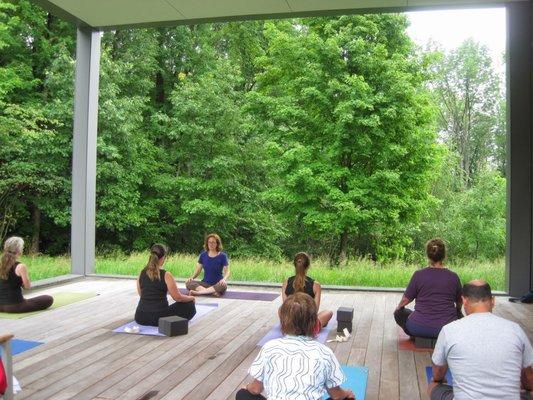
[153,284]
[300,282]
[14,277]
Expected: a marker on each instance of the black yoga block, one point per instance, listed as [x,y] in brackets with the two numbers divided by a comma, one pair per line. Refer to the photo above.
[345,314]
[344,324]
[173,326]
[424,343]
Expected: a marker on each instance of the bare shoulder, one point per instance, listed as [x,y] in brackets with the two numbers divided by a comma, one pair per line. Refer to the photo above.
[21,268]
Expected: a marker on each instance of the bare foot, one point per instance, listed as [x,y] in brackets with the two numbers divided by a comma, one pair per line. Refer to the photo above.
[193,293]
[216,294]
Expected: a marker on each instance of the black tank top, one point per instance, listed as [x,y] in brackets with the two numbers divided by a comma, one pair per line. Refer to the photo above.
[153,293]
[308,288]
[11,288]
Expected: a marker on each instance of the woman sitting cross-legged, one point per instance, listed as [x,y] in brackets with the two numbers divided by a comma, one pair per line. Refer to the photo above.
[153,284]
[437,291]
[215,264]
[296,366]
[300,282]
[14,277]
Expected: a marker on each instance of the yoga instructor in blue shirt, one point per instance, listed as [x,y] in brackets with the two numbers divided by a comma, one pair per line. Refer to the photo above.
[216,269]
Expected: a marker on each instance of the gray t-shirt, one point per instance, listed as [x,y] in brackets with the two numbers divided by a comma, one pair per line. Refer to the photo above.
[485,354]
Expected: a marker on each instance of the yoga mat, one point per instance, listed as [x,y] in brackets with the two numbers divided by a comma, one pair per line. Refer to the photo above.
[230,294]
[406,343]
[201,310]
[275,332]
[20,346]
[60,299]
[429,375]
[356,379]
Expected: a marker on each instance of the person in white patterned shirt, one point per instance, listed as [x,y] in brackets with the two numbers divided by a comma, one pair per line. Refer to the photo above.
[296,367]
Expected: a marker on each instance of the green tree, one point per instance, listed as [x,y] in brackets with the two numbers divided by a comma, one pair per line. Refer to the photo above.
[343,102]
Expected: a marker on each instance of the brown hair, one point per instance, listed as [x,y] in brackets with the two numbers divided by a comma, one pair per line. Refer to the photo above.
[436,250]
[217,238]
[298,315]
[157,252]
[301,265]
[13,246]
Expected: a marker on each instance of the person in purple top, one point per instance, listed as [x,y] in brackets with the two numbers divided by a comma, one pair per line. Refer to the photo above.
[437,291]
[215,264]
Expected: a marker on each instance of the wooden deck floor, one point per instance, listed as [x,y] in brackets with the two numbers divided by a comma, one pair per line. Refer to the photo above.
[83,359]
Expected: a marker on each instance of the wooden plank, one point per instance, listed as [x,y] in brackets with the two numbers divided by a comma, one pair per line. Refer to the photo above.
[374,348]
[388,385]
[422,360]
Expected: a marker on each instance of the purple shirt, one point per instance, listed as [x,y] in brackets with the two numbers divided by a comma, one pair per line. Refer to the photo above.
[436,291]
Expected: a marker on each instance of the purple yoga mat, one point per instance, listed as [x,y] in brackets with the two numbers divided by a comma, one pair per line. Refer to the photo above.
[275,332]
[201,310]
[262,296]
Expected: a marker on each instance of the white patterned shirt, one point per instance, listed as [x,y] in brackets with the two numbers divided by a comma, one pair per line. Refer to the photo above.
[296,368]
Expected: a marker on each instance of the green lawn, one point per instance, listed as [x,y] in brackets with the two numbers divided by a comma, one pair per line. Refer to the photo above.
[356,273]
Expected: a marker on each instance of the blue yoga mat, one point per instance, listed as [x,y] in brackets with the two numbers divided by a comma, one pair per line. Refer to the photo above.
[429,375]
[20,346]
[356,379]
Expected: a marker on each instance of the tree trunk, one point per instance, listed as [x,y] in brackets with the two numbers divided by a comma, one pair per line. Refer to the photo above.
[159,88]
[36,217]
[343,248]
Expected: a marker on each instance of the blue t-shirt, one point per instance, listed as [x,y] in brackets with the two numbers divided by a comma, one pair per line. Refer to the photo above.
[213,267]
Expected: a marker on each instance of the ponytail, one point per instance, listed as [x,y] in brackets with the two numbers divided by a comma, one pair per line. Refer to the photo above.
[301,265]
[157,252]
[13,246]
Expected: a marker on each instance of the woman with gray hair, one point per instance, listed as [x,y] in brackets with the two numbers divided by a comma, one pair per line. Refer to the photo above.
[14,277]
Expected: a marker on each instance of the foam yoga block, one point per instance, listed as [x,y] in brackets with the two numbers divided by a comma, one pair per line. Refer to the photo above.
[344,324]
[425,343]
[345,314]
[173,326]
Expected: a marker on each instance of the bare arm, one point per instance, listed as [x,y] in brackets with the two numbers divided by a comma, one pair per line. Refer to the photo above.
[255,387]
[283,289]
[197,271]
[439,372]
[138,287]
[22,271]
[317,290]
[527,378]
[338,393]
[225,274]
[173,290]
[403,302]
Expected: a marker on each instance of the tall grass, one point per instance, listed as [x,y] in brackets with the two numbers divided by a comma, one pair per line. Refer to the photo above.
[358,272]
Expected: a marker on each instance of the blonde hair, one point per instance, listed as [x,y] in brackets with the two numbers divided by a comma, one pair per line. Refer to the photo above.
[301,265]
[13,246]
[217,238]
[157,252]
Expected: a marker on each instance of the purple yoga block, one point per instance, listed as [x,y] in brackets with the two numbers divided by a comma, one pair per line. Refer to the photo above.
[173,326]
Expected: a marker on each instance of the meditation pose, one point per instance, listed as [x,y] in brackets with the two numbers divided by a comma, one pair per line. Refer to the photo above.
[216,269]
[437,291]
[153,284]
[489,357]
[14,277]
[300,282]
[296,367]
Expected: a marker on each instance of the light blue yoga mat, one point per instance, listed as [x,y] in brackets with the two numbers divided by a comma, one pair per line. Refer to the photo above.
[356,379]
[20,346]
[429,375]
[201,310]
[275,332]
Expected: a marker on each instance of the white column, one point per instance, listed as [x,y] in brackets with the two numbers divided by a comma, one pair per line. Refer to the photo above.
[82,242]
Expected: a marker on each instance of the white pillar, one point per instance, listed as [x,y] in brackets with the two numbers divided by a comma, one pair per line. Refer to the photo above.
[82,242]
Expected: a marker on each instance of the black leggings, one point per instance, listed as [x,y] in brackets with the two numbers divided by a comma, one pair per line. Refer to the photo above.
[28,305]
[244,394]
[183,310]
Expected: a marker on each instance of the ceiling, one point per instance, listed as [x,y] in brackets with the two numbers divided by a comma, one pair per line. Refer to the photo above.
[109,14]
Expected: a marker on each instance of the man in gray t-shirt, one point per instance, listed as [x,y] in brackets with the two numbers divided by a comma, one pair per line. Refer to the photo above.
[490,358]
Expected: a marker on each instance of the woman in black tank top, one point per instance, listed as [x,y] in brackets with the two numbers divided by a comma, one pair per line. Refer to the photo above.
[153,285]
[300,282]
[14,277]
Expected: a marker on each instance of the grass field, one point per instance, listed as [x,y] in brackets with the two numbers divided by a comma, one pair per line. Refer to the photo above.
[355,273]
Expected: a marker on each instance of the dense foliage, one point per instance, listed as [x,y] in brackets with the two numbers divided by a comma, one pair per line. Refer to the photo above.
[333,135]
